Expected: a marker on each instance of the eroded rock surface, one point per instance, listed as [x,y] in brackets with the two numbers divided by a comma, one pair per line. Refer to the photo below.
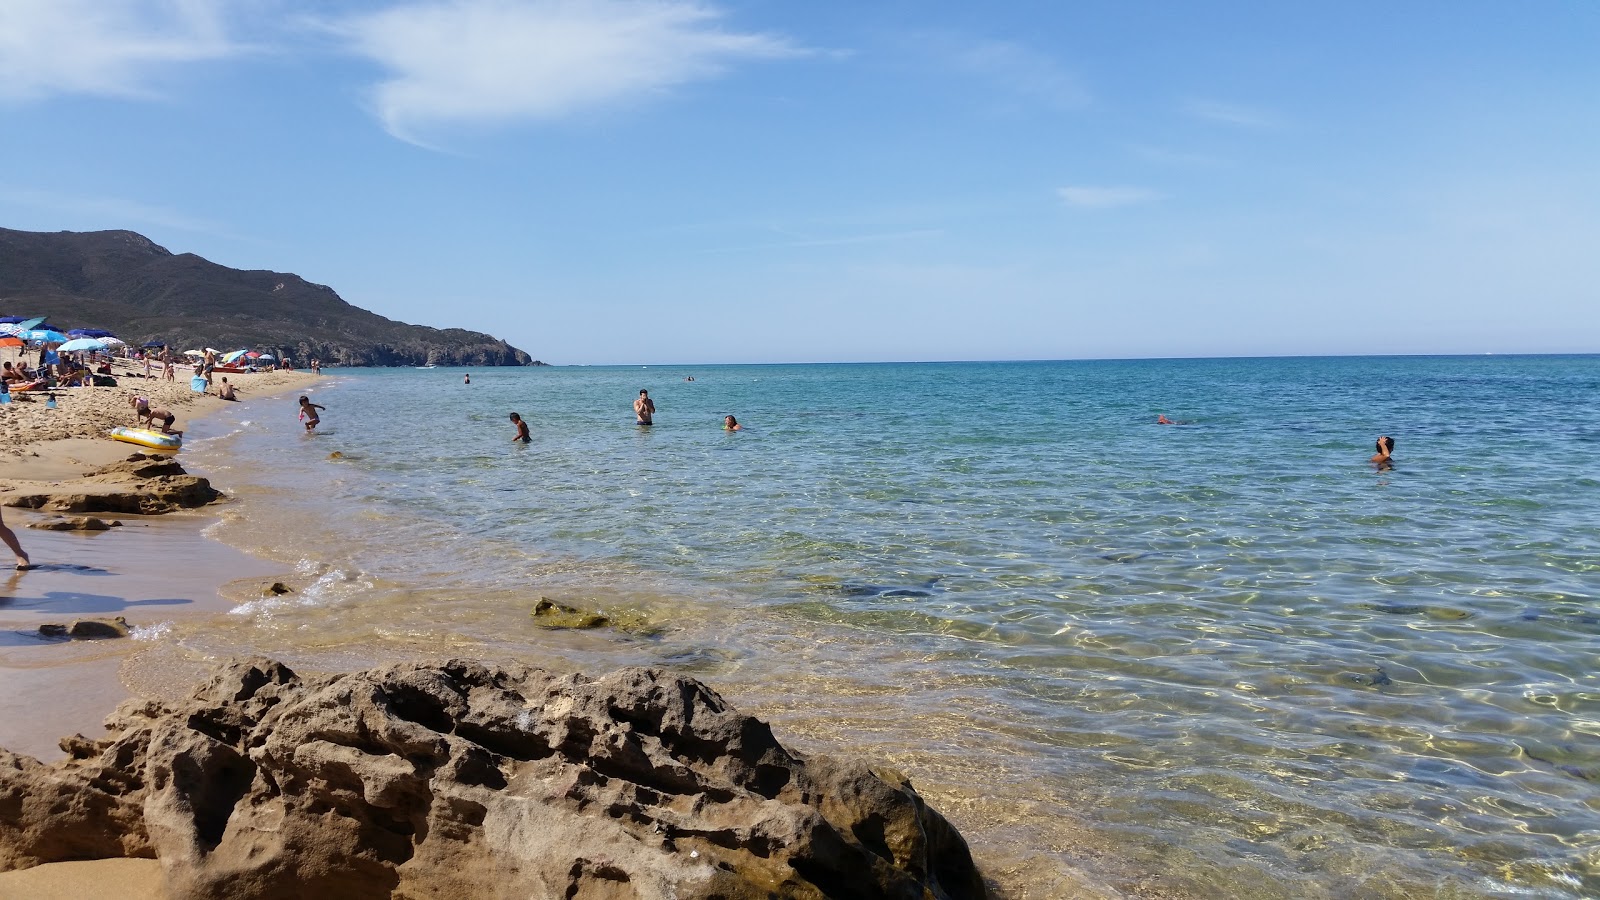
[142,484]
[466,780]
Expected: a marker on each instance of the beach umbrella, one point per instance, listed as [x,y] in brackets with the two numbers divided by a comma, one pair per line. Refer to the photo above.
[10,320]
[113,342]
[9,328]
[262,356]
[43,336]
[195,353]
[82,343]
[151,344]
[230,357]
[91,333]
[34,322]
[9,341]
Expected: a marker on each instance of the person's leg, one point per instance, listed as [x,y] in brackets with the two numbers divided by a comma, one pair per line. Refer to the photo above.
[9,538]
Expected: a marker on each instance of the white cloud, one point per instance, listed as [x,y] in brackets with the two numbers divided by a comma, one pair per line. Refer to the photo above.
[491,61]
[1105,197]
[1229,114]
[107,47]
[1023,71]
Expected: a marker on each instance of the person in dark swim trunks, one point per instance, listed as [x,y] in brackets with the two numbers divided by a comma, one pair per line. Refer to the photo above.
[522,429]
[644,408]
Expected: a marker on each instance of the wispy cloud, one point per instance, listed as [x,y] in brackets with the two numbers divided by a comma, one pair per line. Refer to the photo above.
[1085,197]
[105,47]
[799,241]
[457,62]
[1021,70]
[1230,114]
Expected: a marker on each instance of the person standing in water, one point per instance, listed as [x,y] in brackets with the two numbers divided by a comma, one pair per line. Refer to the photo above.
[729,423]
[644,408]
[1385,447]
[308,413]
[467,379]
[522,429]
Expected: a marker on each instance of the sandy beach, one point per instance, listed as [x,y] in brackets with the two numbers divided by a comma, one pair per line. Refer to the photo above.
[152,571]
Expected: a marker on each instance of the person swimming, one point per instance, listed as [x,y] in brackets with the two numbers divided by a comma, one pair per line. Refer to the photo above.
[1163,420]
[729,423]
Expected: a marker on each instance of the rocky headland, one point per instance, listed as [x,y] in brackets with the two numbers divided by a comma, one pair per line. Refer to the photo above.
[124,282]
[466,780]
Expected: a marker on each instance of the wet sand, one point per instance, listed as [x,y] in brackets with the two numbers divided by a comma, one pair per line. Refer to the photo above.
[152,571]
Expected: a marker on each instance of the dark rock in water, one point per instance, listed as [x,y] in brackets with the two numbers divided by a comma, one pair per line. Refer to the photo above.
[88,629]
[277,588]
[1122,557]
[81,523]
[1397,609]
[466,780]
[551,614]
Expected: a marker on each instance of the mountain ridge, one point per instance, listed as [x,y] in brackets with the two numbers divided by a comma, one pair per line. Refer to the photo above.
[124,282]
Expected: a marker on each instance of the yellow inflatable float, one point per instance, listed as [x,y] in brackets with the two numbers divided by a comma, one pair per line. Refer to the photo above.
[149,439]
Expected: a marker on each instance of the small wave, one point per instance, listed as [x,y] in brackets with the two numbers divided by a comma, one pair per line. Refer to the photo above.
[156,632]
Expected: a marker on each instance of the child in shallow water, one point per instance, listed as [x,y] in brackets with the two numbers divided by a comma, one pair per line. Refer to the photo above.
[308,413]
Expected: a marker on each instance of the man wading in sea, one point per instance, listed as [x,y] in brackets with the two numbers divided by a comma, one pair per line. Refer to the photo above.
[644,408]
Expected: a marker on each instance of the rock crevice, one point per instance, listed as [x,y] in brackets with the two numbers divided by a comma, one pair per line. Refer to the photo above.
[470,780]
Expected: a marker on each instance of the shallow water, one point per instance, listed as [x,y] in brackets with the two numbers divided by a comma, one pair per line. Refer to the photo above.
[1223,658]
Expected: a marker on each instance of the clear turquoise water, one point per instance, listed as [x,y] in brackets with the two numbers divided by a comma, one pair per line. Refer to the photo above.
[1229,656]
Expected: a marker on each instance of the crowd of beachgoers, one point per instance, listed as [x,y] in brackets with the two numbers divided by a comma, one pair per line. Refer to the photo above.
[82,382]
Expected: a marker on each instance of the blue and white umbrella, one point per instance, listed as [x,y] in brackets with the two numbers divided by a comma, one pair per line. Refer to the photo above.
[83,343]
[43,336]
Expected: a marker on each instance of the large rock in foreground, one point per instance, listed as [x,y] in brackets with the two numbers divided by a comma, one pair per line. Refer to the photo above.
[474,781]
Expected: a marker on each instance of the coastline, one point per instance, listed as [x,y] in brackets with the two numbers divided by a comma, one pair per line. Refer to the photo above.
[152,570]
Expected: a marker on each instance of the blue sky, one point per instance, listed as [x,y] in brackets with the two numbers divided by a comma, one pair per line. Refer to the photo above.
[610,181]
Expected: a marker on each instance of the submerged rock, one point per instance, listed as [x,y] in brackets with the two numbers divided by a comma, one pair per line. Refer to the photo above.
[468,780]
[551,614]
[88,629]
[80,523]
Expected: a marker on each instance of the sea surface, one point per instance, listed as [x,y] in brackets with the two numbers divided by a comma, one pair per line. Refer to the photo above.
[1224,658]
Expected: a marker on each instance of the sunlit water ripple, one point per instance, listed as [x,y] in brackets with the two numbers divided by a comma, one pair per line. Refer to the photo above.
[1228,655]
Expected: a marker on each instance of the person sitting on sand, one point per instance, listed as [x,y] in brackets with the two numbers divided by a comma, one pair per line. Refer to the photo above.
[12,374]
[9,538]
[308,413]
[729,423]
[1385,446]
[522,429]
[225,391]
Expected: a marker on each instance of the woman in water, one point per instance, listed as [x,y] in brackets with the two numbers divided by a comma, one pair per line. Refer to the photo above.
[729,423]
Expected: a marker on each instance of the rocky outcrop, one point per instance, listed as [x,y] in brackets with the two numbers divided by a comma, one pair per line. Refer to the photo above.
[88,629]
[467,780]
[79,523]
[140,485]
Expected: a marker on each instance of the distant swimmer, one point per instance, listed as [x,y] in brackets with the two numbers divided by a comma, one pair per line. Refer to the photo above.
[644,408]
[1163,420]
[308,413]
[467,379]
[729,423]
[522,429]
[1385,447]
